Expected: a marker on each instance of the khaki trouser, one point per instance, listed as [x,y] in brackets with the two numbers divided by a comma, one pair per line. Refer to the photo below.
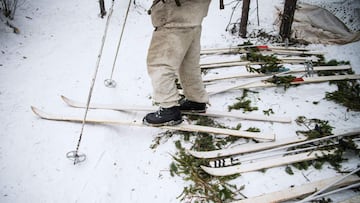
[174,52]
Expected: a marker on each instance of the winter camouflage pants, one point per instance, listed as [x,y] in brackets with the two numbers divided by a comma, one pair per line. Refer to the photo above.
[175,53]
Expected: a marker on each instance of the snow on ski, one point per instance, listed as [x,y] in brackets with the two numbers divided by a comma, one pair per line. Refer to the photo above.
[267,163]
[181,127]
[210,113]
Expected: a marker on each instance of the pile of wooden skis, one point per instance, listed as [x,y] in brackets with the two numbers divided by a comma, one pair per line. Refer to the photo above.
[283,56]
[260,156]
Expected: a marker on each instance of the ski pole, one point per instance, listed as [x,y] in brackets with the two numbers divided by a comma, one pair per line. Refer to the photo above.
[110,82]
[74,155]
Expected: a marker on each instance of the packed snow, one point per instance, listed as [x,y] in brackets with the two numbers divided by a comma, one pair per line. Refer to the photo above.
[55,54]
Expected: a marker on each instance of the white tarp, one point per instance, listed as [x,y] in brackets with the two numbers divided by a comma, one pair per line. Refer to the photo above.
[317,25]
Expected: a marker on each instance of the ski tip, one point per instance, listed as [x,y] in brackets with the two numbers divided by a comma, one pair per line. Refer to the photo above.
[194,153]
[35,110]
[264,137]
[206,169]
[214,172]
[39,112]
[65,99]
[70,102]
[205,154]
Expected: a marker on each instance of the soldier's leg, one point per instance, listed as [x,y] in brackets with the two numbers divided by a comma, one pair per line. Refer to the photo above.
[190,72]
[167,50]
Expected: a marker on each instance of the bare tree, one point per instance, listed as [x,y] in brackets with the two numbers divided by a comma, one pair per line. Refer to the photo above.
[244,18]
[102,8]
[8,8]
[287,19]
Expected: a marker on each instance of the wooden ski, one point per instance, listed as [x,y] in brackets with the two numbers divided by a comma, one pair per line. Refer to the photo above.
[263,49]
[228,64]
[247,148]
[284,60]
[181,127]
[300,190]
[210,113]
[251,75]
[263,83]
[267,163]
[267,147]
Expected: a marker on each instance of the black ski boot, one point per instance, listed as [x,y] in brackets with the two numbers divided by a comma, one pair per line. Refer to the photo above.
[191,106]
[164,116]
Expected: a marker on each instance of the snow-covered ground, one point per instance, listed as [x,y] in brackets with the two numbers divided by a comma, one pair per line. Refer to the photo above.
[55,54]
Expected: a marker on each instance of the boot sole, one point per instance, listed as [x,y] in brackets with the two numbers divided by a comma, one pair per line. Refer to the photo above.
[169,123]
[193,111]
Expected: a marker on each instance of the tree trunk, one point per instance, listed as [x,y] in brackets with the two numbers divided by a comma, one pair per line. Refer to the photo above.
[102,8]
[287,19]
[244,18]
[222,4]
